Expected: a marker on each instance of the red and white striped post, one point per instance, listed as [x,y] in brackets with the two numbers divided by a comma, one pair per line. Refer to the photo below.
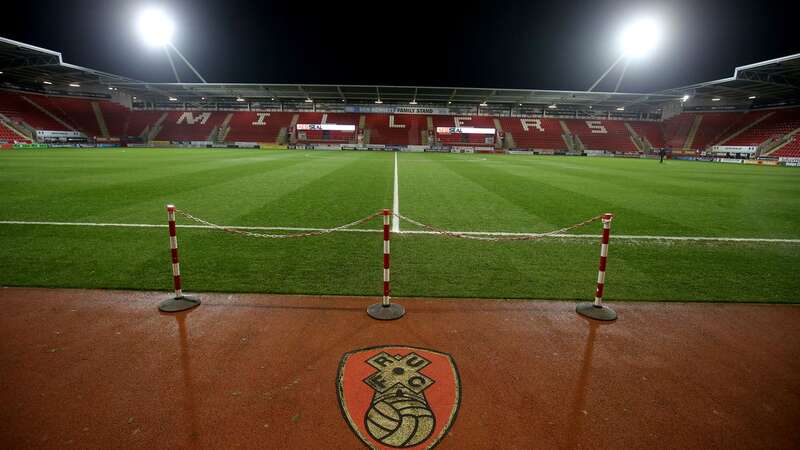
[386,310]
[180,302]
[597,310]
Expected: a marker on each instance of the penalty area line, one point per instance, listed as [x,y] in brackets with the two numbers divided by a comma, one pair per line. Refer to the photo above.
[408,232]
[395,200]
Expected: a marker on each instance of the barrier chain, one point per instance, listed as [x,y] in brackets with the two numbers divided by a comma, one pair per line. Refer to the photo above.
[526,237]
[277,236]
[386,310]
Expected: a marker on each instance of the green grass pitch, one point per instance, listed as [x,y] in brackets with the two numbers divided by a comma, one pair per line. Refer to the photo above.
[293,188]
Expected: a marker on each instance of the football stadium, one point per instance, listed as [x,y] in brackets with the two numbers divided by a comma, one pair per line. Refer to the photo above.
[196,264]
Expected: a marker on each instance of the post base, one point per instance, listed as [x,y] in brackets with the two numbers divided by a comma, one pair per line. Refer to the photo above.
[595,312]
[389,312]
[177,304]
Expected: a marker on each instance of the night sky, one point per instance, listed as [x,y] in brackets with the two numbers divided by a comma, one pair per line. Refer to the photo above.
[557,44]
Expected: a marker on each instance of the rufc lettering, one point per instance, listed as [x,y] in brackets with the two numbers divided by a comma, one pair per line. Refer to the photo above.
[191,119]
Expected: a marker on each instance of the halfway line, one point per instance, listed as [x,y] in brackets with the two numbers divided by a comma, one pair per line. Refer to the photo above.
[411,232]
[396,200]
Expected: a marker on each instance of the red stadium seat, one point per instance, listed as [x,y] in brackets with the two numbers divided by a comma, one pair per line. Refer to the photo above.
[464,139]
[534,133]
[396,129]
[16,108]
[779,123]
[791,150]
[257,126]
[610,135]
[317,136]
[189,125]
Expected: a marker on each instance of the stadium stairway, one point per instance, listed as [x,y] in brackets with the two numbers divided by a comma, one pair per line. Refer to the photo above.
[152,131]
[789,149]
[9,134]
[25,133]
[787,146]
[224,129]
[640,143]
[101,121]
[698,119]
[746,128]
[63,124]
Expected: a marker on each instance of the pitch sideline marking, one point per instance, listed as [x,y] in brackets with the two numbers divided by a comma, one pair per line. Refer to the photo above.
[410,232]
[396,200]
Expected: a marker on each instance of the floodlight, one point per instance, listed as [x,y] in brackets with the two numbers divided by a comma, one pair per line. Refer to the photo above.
[640,37]
[308,100]
[155,27]
[239,99]
[173,99]
[378,102]
[621,108]
[483,104]
[716,99]
[412,102]
[752,97]
[46,82]
[553,106]
[74,85]
[685,98]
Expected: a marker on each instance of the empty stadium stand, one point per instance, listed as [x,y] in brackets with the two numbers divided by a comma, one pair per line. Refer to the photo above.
[397,129]
[117,118]
[18,109]
[189,125]
[464,121]
[257,127]
[308,136]
[676,130]
[9,135]
[609,135]
[651,131]
[102,118]
[791,149]
[76,112]
[534,133]
[776,124]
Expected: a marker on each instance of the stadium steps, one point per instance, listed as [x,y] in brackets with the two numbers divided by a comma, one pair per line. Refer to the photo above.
[101,121]
[569,138]
[282,136]
[638,141]
[19,129]
[48,113]
[498,129]
[746,127]
[783,142]
[577,143]
[224,128]
[214,133]
[698,119]
[152,131]
[509,141]
[293,125]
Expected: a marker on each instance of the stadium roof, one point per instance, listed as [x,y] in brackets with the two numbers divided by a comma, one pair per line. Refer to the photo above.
[768,81]
[27,66]
[392,94]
